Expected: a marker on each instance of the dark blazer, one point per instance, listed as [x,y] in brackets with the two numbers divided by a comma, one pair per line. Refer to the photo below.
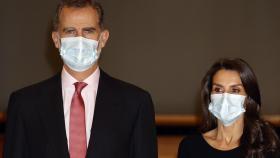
[123,124]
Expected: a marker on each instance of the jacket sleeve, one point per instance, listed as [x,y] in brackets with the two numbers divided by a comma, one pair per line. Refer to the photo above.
[144,138]
[15,145]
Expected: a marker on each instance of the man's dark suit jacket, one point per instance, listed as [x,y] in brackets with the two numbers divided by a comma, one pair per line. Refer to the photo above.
[123,124]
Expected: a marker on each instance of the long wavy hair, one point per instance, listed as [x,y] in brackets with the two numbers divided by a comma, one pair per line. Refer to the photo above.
[258,137]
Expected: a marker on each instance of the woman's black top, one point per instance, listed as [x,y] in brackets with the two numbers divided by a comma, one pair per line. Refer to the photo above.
[196,146]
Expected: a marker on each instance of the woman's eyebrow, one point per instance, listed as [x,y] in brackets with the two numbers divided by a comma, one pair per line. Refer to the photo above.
[217,84]
[237,85]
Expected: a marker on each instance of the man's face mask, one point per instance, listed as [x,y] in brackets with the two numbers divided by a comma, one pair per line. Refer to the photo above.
[227,107]
[79,53]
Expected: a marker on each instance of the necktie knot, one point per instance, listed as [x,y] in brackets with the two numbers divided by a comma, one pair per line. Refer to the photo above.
[79,86]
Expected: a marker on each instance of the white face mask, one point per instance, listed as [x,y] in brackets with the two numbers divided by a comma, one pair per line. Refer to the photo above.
[79,53]
[227,107]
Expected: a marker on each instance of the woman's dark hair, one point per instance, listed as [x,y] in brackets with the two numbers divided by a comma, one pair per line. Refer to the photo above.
[258,136]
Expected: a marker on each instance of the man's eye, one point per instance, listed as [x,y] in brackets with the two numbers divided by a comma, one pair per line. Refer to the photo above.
[70,31]
[89,31]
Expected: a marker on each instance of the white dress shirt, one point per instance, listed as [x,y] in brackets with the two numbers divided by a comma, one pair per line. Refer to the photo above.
[88,94]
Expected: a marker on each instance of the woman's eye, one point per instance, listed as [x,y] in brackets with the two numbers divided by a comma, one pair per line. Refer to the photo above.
[217,90]
[235,90]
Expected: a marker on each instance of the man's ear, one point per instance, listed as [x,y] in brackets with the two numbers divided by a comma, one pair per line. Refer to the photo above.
[56,39]
[104,38]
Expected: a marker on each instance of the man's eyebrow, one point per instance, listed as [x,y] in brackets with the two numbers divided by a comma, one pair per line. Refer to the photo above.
[89,28]
[68,28]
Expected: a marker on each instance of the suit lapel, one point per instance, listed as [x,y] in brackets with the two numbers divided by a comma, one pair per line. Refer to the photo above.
[53,117]
[104,101]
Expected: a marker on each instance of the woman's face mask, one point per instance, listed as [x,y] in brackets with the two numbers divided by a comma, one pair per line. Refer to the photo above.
[227,107]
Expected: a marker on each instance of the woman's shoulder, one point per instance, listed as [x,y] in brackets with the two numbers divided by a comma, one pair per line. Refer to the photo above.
[191,140]
[190,146]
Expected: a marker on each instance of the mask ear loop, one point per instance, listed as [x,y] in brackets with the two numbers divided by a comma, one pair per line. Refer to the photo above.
[59,40]
[99,43]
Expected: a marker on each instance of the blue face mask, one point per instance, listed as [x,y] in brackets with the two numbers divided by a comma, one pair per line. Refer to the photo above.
[227,107]
[79,53]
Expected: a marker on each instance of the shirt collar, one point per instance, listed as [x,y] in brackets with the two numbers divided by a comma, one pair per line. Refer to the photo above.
[92,81]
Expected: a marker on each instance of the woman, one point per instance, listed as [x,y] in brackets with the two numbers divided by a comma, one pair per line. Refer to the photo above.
[231,122]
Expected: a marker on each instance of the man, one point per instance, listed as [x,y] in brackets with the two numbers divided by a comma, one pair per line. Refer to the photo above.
[80,112]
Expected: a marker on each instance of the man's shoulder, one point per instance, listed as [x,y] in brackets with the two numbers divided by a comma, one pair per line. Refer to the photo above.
[121,86]
[39,86]
[123,89]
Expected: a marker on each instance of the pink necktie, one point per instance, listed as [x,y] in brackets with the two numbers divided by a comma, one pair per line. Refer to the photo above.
[77,133]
